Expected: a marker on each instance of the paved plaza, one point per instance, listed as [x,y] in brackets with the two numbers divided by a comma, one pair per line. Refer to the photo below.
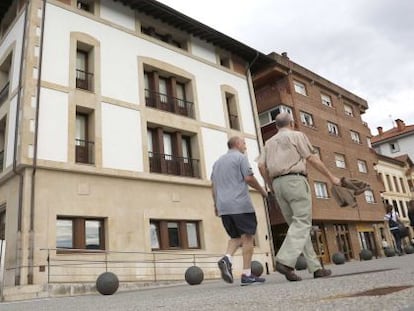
[378,284]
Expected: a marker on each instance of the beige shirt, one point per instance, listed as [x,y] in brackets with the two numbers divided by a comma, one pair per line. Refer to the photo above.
[286,152]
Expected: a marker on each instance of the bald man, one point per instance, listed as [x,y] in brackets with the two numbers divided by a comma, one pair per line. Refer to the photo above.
[283,166]
[231,176]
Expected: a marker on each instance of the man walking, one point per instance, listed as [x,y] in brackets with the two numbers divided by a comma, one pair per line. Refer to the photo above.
[283,167]
[231,176]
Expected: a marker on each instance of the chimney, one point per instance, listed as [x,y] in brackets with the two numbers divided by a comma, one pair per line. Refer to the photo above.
[379,128]
[400,125]
[284,54]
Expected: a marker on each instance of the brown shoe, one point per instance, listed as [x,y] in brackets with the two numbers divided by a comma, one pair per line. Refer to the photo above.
[288,272]
[321,273]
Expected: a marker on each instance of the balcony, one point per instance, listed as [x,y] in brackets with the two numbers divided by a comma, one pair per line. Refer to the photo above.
[4,93]
[84,151]
[172,165]
[169,103]
[84,80]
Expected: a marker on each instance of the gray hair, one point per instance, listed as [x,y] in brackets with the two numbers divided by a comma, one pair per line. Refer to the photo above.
[231,143]
[283,119]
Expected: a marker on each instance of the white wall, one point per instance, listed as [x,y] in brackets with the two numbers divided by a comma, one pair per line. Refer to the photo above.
[119,68]
[203,50]
[214,146]
[117,13]
[121,138]
[406,145]
[53,126]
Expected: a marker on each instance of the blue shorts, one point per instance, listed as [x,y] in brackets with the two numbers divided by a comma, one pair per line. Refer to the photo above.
[238,224]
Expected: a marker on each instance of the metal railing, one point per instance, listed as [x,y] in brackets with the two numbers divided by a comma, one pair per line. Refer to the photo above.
[4,93]
[173,165]
[84,80]
[84,151]
[169,103]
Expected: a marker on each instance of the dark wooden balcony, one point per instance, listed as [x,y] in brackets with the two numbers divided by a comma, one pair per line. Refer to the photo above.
[169,103]
[84,80]
[172,165]
[84,151]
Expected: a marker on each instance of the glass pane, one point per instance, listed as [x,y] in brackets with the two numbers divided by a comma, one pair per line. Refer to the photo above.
[173,235]
[185,148]
[180,91]
[80,127]
[64,233]
[92,234]
[150,146]
[154,235]
[81,60]
[167,144]
[163,90]
[192,234]
[264,118]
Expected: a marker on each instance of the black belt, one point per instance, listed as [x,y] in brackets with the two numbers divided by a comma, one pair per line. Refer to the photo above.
[290,174]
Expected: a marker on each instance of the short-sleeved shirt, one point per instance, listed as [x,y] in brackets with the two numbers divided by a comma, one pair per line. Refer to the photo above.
[286,152]
[230,189]
[392,219]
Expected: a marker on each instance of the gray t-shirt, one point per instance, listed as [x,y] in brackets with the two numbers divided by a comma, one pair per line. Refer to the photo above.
[230,189]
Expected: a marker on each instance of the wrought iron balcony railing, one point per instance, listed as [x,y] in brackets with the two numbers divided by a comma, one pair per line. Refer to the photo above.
[169,103]
[84,80]
[173,165]
[84,151]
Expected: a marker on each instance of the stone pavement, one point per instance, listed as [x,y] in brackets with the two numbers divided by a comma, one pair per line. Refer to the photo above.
[334,293]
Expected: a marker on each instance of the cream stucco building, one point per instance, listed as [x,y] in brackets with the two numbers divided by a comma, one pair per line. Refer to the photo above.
[112,114]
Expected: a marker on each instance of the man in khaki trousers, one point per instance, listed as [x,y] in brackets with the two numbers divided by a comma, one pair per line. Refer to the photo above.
[283,167]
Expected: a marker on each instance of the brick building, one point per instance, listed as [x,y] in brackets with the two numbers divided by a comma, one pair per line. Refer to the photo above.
[331,117]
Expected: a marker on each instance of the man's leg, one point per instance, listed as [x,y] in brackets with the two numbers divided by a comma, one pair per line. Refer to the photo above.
[247,248]
[233,245]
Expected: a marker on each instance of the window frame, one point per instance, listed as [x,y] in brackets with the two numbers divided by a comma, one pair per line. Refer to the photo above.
[334,126]
[355,137]
[270,118]
[326,100]
[305,117]
[163,235]
[324,194]
[369,196]
[79,234]
[396,147]
[300,88]
[362,163]
[348,110]
[340,161]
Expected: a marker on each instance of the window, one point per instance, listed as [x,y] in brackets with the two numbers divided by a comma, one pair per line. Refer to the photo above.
[317,151]
[174,234]
[84,67]
[270,115]
[362,166]
[5,79]
[369,196]
[224,61]
[168,93]
[333,129]
[394,147]
[321,190]
[232,113]
[2,222]
[172,153]
[299,88]
[340,160]
[326,100]
[389,183]
[85,5]
[348,110]
[80,233]
[84,144]
[306,119]
[402,185]
[397,188]
[355,137]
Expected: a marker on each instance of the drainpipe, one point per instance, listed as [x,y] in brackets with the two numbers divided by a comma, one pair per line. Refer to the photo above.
[35,144]
[15,170]
[259,144]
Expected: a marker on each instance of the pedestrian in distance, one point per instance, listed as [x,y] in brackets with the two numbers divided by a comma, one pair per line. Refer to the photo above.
[283,167]
[410,211]
[231,177]
[393,219]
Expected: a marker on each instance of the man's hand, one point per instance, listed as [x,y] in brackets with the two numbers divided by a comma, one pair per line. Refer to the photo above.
[335,180]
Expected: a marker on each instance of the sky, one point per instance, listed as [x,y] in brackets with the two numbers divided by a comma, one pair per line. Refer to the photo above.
[364,46]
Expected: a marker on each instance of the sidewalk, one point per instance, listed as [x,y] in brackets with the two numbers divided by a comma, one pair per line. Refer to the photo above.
[391,279]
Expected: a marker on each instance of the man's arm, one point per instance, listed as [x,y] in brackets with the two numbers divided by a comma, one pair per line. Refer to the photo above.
[265,174]
[314,160]
[252,182]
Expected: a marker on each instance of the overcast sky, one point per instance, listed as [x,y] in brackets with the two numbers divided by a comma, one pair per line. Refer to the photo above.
[367,47]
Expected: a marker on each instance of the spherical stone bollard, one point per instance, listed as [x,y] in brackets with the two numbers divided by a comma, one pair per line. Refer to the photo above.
[409,249]
[389,252]
[338,258]
[257,268]
[365,254]
[301,263]
[194,275]
[107,283]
